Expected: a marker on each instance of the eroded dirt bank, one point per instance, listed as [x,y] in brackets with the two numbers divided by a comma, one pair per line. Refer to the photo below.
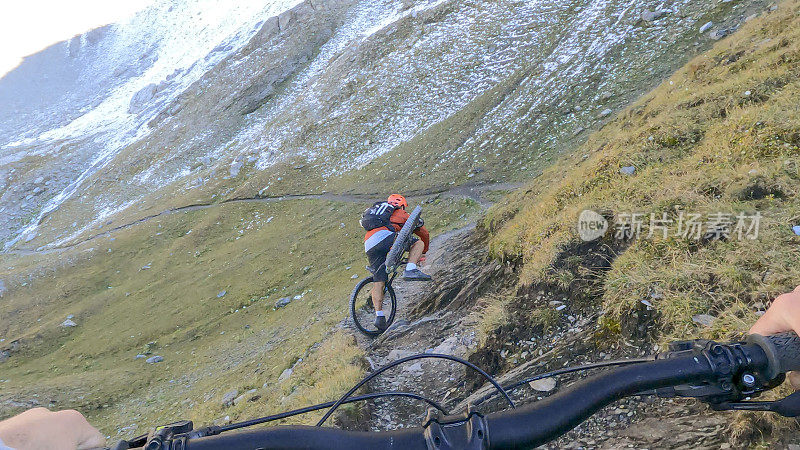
[447,316]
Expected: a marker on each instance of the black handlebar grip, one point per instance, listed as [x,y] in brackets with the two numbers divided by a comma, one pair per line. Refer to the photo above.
[783,352]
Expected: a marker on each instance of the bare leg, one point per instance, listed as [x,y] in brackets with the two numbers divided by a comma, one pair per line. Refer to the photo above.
[415,252]
[377,295]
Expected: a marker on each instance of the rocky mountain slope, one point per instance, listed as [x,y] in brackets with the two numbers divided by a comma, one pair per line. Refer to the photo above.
[525,294]
[200,206]
[281,97]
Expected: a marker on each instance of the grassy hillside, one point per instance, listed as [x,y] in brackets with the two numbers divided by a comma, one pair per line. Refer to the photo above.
[199,289]
[720,135]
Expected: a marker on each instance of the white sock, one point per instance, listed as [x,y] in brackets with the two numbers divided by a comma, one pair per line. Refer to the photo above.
[411,266]
[380,314]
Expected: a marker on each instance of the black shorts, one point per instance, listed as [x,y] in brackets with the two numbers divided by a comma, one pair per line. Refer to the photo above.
[376,256]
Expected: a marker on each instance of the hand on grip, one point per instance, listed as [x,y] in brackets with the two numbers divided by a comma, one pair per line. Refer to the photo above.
[783,316]
[782,350]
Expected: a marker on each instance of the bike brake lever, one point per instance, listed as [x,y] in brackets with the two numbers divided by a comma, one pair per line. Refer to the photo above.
[788,406]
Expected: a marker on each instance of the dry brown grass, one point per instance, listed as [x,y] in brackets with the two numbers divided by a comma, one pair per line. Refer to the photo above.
[722,134]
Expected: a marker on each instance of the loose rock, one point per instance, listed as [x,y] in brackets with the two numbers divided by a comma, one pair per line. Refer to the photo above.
[394,355]
[154,359]
[414,368]
[242,397]
[704,319]
[235,168]
[283,302]
[719,34]
[140,99]
[229,397]
[543,385]
[397,324]
[652,16]
[285,375]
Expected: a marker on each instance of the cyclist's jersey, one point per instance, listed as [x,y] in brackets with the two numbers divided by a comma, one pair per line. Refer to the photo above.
[398,219]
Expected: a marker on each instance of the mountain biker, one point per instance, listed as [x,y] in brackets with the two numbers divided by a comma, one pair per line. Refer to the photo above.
[382,221]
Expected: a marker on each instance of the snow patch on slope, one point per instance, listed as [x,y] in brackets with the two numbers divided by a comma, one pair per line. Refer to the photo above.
[186,39]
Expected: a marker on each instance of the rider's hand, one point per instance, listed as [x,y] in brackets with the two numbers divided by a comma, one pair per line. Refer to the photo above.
[782,316]
[39,428]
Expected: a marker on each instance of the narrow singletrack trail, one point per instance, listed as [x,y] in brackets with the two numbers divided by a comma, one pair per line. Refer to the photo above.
[443,316]
[444,331]
[475,192]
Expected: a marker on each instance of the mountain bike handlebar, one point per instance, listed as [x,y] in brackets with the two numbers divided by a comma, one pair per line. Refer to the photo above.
[719,374]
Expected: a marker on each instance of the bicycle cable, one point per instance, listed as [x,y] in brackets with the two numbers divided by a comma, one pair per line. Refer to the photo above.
[307,409]
[411,358]
[333,405]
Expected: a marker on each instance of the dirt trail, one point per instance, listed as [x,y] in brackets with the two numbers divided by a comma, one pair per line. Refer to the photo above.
[475,192]
[442,331]
[442,317]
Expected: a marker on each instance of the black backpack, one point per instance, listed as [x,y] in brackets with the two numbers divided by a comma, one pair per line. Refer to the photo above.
[378,215]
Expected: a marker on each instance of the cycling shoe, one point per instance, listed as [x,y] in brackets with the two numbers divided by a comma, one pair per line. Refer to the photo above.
[380,323]
[416,275]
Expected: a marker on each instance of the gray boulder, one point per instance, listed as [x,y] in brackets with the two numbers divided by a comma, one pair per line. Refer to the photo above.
[235,168]
[284,18]
[627,170]
[244,396]
[719,34]
[652,16]
[154,359]
[397,325]
[229,397]
[543,385]
[140,99]
[704,319]
[283,302]
[706,27]
[449,346]
[396,354]
[68,323]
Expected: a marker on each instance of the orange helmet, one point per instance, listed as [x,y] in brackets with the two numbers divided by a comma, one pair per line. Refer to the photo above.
[398,201]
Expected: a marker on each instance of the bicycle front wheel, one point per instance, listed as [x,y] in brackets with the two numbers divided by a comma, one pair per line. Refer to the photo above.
[363,312]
